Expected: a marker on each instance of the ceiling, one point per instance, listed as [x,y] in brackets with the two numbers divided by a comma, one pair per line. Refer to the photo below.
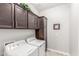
[44,6]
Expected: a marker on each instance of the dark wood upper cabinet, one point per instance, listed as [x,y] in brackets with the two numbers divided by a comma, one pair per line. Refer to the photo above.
[26,18]
[37,24]
[6,15]
[32,21]
[13,16]
[41,33]
[20,17]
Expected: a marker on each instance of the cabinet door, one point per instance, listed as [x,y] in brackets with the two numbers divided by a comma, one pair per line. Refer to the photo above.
[31,21]
[26,18]
[36,22]
[6,15]
[20,19]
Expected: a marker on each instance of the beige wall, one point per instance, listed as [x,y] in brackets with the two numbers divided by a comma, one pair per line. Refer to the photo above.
[58,39]
[74,29]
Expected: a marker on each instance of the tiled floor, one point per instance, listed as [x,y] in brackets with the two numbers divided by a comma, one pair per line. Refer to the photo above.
[49,53]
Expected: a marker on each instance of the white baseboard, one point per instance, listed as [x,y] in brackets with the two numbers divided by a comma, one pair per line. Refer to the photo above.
[59,52]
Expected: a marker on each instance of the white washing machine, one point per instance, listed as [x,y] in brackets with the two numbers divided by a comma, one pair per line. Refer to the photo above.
[20,48]
[38,43]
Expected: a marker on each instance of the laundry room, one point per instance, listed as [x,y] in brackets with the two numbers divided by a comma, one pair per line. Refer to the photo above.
[39,29]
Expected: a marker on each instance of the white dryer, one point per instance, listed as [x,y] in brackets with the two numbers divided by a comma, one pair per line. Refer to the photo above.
[38,43]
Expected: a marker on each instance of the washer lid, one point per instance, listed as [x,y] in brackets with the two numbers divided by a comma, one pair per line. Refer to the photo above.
[23,50]
[37,42]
